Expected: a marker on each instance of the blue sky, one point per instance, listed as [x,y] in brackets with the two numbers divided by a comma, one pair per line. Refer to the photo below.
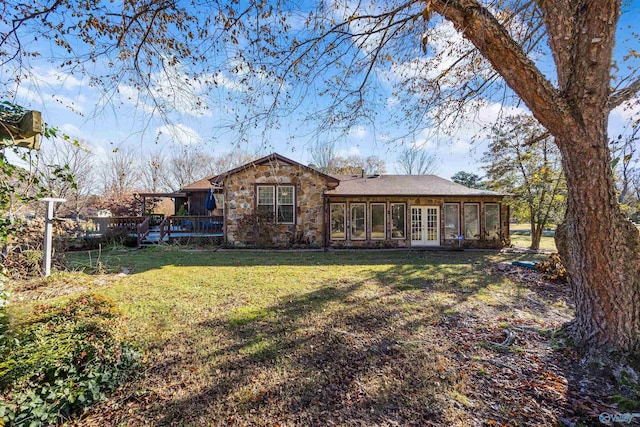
[123,118]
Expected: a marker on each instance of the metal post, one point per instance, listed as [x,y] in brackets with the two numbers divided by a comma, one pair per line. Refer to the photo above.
[48,233]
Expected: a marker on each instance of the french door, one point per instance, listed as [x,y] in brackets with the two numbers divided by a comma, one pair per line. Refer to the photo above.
[425,226]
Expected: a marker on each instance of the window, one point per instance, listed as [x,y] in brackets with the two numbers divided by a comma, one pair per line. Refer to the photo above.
[378,221]
[451,220]
[337,220]
[397,221]
[358,225]
[283,207]
[286,203]
[471,221]
[492,220]
[266,199]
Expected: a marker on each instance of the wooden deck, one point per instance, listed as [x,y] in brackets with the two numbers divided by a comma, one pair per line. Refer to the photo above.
[168,229]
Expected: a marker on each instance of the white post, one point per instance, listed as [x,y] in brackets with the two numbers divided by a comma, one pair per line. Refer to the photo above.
[48,233]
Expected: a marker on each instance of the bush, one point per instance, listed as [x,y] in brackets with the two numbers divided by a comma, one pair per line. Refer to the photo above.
[62,359]
[553,269]
[119,237]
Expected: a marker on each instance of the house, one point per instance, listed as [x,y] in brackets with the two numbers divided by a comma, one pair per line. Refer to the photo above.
[275,201]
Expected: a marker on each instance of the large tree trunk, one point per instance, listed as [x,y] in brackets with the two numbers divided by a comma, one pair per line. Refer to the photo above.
[601,250]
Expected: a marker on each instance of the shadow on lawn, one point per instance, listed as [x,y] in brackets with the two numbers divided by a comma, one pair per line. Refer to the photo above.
[340,354]
[396,346]
[363,353]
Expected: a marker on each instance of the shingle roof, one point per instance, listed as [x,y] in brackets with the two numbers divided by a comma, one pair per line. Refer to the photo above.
[403,185]
[202,184]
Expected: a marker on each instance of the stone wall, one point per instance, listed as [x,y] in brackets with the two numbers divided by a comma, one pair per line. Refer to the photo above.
[240,206]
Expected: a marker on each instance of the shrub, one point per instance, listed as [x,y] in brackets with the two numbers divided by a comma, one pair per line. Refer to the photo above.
[62,359]
[119,237]
[552,268]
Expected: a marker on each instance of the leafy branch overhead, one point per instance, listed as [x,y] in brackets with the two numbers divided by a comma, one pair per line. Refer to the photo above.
[405,66]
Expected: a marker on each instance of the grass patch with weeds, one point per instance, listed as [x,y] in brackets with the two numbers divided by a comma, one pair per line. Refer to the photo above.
[319,338]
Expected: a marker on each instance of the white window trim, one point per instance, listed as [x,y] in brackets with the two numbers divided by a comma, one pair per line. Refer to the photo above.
[344,221]
[273,194]
[351,206]
[293,188]
[384,220]
[404,231]
[274,188]
[497,205]
[477,206]
[444,218]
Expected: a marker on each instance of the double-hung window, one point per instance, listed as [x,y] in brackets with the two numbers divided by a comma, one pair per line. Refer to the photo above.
[286,203]
[278,200]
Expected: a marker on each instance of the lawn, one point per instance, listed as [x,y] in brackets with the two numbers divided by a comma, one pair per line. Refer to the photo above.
[352,338]
[521,237]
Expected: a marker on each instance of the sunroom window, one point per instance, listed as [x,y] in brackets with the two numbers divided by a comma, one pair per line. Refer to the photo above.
[471,221]
[337,220]
[451,220]
[358,222]
[492,220]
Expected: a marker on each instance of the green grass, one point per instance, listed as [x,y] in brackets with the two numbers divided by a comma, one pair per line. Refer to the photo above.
[521,237]
[308,338]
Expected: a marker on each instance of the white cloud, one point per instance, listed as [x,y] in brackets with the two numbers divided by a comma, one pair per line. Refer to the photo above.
[57,78]
[358,133]
[171,89]
[628,111]
[178,134]
[347,152]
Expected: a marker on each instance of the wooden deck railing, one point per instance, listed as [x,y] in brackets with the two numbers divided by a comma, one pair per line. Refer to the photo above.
[164,229]
[129,223]
[143,230]
[194,224]
[171,225]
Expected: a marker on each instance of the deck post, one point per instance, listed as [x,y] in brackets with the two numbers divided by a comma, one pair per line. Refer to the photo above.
[48,233]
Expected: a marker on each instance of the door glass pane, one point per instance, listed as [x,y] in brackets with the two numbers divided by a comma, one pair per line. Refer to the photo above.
[416,224]
[397,220]
[432,224]
[451,220]
[471,221]
[492,220]
[378,223]
[358,221]
[337,221]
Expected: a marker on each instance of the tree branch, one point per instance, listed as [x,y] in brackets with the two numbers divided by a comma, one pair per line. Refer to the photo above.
[481,28]
[622,95]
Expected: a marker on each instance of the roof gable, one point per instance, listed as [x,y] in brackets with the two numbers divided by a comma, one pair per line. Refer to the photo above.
[274,159]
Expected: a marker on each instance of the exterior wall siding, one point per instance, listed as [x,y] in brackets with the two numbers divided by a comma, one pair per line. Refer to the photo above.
[240,204]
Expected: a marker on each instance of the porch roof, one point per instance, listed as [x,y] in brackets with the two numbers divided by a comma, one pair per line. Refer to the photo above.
[162,195]
[404,185]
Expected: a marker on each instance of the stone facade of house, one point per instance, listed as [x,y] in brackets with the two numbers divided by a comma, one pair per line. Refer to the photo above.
[243,225]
